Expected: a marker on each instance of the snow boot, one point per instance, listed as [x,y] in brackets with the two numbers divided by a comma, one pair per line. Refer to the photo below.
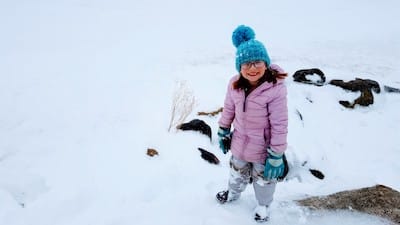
[261,214]
[222,196]
[226,196]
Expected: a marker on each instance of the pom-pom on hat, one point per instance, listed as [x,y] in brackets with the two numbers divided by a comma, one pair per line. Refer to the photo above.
[248,49]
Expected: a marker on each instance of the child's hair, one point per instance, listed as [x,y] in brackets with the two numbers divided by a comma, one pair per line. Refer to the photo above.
[270,75]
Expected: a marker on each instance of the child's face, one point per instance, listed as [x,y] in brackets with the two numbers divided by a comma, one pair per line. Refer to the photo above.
[253,71]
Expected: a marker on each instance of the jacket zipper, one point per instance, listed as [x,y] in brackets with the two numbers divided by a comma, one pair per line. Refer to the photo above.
[245,97]
[247,92]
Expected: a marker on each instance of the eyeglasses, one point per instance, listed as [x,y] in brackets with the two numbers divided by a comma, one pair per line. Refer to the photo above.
[256,64]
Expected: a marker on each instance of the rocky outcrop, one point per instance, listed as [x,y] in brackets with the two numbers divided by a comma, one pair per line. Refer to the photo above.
[365,99]
[196,125]
[357,85]
[378,200]
[391,89]
[208,156]
[152,152]
[300,76]
[365,86]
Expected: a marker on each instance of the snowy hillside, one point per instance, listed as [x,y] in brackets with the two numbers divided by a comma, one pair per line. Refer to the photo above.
[87,86]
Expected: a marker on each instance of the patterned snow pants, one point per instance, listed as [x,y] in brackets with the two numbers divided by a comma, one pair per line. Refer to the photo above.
[241,173]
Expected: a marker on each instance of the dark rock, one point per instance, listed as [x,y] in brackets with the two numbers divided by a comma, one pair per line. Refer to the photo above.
[208,156]
[299,114]
[300,117]
[391,89]
[365,86]
[358,85]
[196,125]
[316,173]
[366,98]
[300,76]
[378,200]
[151,152]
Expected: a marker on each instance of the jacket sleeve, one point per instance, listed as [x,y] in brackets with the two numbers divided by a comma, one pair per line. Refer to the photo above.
[228,113]
[278,117]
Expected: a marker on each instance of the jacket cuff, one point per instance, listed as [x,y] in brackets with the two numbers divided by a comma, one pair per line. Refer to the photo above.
[272,152]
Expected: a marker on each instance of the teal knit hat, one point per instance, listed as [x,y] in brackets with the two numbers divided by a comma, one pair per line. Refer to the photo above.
[248,49]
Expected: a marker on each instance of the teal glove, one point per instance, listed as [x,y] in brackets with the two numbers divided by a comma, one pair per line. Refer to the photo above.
[274,166]
[224,139]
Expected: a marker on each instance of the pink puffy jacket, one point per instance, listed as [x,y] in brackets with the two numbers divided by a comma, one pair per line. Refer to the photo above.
[259,120]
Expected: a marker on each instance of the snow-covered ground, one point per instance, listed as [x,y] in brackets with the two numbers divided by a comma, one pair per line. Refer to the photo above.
[87,86]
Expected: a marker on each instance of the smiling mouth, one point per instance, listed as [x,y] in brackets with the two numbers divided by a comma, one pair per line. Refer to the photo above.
[252,75]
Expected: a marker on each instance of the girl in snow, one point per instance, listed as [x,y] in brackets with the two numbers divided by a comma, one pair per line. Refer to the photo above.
[256,106]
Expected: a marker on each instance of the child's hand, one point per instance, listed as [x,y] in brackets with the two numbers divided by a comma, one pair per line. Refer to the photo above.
[224,139]
[274,166]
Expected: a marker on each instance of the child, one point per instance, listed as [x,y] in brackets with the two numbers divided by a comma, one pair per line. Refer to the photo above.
[256,106]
